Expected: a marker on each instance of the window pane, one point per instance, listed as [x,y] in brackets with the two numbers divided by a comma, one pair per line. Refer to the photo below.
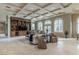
[40,26]
[49,29]
[45,28]
[33,26]
[47,22]
[58,25]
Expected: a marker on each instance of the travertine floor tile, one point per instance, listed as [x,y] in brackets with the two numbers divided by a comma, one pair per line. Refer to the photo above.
[22,47]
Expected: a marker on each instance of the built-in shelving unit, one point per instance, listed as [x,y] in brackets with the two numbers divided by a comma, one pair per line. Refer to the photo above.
[19,26]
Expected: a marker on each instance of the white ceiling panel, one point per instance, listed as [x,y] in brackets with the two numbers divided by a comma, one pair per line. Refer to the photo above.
[31,7]
[42,11]
[20,15]
[40,17]
[24,12]
[34,15]
[52,7]
[16,4]
[31,10]
[28,17]
[13,7]
[49,14]
[42,4]
[64,4]
[59,11]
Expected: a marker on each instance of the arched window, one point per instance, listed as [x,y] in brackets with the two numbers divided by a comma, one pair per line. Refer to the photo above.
[40,26]
[47,22]
[58,25]
[47,26]
[78,25]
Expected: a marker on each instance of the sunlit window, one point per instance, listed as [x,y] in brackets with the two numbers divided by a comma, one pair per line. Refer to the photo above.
[47,26]
[40,26]
[47,22]
[58,25]
[33,26]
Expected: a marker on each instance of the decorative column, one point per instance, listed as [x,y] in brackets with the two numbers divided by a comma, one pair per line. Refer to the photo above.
[70,26]
[8,25]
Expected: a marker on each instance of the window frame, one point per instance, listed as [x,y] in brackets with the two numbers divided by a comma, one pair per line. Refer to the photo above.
[47,24]
[59,25]
[40,23]
[33,28]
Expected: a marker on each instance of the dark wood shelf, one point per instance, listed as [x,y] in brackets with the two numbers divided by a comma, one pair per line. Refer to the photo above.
[19,26]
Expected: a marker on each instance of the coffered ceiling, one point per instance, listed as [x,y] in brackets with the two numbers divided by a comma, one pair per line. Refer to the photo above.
[36,10]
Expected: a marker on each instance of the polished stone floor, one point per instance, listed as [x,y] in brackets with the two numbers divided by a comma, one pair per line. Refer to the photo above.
[64,46]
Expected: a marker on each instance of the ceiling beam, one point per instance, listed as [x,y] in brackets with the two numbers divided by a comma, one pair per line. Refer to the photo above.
[58,8]
[9,5]
[21,9]
[67,5]
[47,5]
[55,10]
[62,7]
[27,15]
[45,9]
[36,10]
[36,16]
[43,6]
[44,13]
[48,10]
[31,12]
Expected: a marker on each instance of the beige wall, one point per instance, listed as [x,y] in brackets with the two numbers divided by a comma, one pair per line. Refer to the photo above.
[66,24]
[69,24]
[74,24]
